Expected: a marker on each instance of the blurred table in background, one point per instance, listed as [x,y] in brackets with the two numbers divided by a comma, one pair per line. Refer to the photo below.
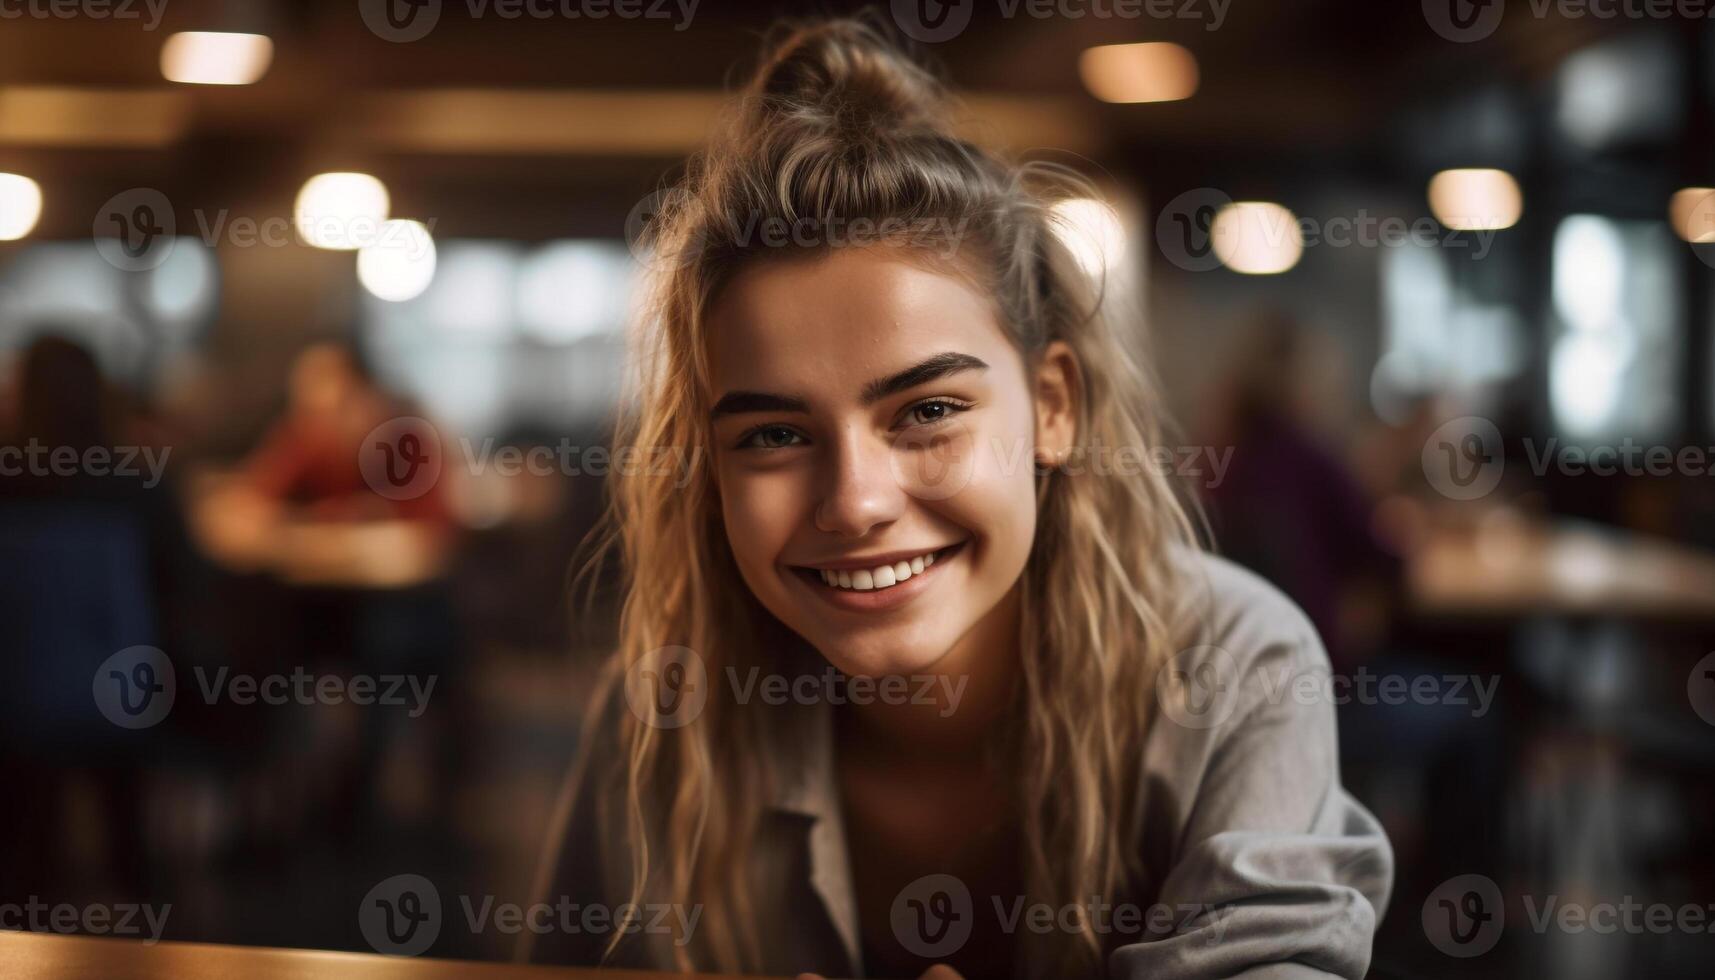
[38,956]
[1511,565]
[244,531]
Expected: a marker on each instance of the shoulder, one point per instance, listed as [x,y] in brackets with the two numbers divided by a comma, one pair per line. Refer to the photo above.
[1232,608]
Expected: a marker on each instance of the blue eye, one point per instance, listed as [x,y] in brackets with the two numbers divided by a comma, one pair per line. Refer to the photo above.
[933,411]
[770,437]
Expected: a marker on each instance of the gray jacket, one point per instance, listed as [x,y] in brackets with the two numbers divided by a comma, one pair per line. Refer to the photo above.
[1268,869]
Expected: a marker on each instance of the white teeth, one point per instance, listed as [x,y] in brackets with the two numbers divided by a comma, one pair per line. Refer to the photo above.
[879,577]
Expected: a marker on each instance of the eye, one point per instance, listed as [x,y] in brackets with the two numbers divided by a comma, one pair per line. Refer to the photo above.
[932,411]
[770,437]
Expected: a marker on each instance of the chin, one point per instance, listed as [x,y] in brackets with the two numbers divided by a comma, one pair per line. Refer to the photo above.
[890,652]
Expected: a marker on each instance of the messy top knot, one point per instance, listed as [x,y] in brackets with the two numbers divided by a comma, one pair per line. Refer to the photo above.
[847,72]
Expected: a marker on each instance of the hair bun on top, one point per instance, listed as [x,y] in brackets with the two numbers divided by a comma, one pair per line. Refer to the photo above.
[851,76]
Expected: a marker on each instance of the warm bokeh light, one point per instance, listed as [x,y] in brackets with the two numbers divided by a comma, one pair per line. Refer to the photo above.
[20,206]
[341,210]
[1475,199]
[1692,211]
[400,264]
[212,58]
[1154,71]
[1092,232]
[1258,238]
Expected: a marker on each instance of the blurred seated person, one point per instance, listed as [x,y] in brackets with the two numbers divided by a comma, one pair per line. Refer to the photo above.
[92,561]
[344,490]
[1290,508]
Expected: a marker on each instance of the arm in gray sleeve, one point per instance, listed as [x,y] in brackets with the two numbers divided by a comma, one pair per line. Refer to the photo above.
[1287,874]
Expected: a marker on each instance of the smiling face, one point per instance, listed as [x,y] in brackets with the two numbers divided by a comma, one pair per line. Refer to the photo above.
[873,431]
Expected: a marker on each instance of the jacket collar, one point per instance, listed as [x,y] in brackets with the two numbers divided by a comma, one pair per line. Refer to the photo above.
[806,785]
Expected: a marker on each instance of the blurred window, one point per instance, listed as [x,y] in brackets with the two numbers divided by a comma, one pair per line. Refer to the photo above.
[510,334]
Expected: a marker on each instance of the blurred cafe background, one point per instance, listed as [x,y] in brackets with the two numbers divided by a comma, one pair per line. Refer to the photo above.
[1430,286]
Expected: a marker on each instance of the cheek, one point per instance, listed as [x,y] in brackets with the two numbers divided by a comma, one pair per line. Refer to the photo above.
[760,511]
[999,502]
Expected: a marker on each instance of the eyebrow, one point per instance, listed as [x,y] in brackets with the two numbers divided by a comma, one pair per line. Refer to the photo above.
[938,366]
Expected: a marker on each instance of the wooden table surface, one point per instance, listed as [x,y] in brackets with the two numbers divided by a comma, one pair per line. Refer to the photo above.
[1513,567]
[42,956]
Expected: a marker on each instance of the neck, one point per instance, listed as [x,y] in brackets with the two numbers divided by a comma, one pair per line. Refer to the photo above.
[953,709]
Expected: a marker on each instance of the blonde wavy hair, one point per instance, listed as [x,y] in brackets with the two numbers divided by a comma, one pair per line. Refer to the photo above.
[837,124]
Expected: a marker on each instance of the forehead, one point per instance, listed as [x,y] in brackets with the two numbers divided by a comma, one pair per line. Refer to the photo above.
[829,323]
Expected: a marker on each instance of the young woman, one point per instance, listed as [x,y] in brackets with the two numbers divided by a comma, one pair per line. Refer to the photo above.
[920,669]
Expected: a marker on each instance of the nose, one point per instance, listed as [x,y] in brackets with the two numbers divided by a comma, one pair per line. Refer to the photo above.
[858,490]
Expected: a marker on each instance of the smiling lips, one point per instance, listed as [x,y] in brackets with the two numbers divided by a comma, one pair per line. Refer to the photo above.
[882,576]
[879,577]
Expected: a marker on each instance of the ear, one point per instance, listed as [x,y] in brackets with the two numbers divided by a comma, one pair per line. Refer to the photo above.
[1059,390]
